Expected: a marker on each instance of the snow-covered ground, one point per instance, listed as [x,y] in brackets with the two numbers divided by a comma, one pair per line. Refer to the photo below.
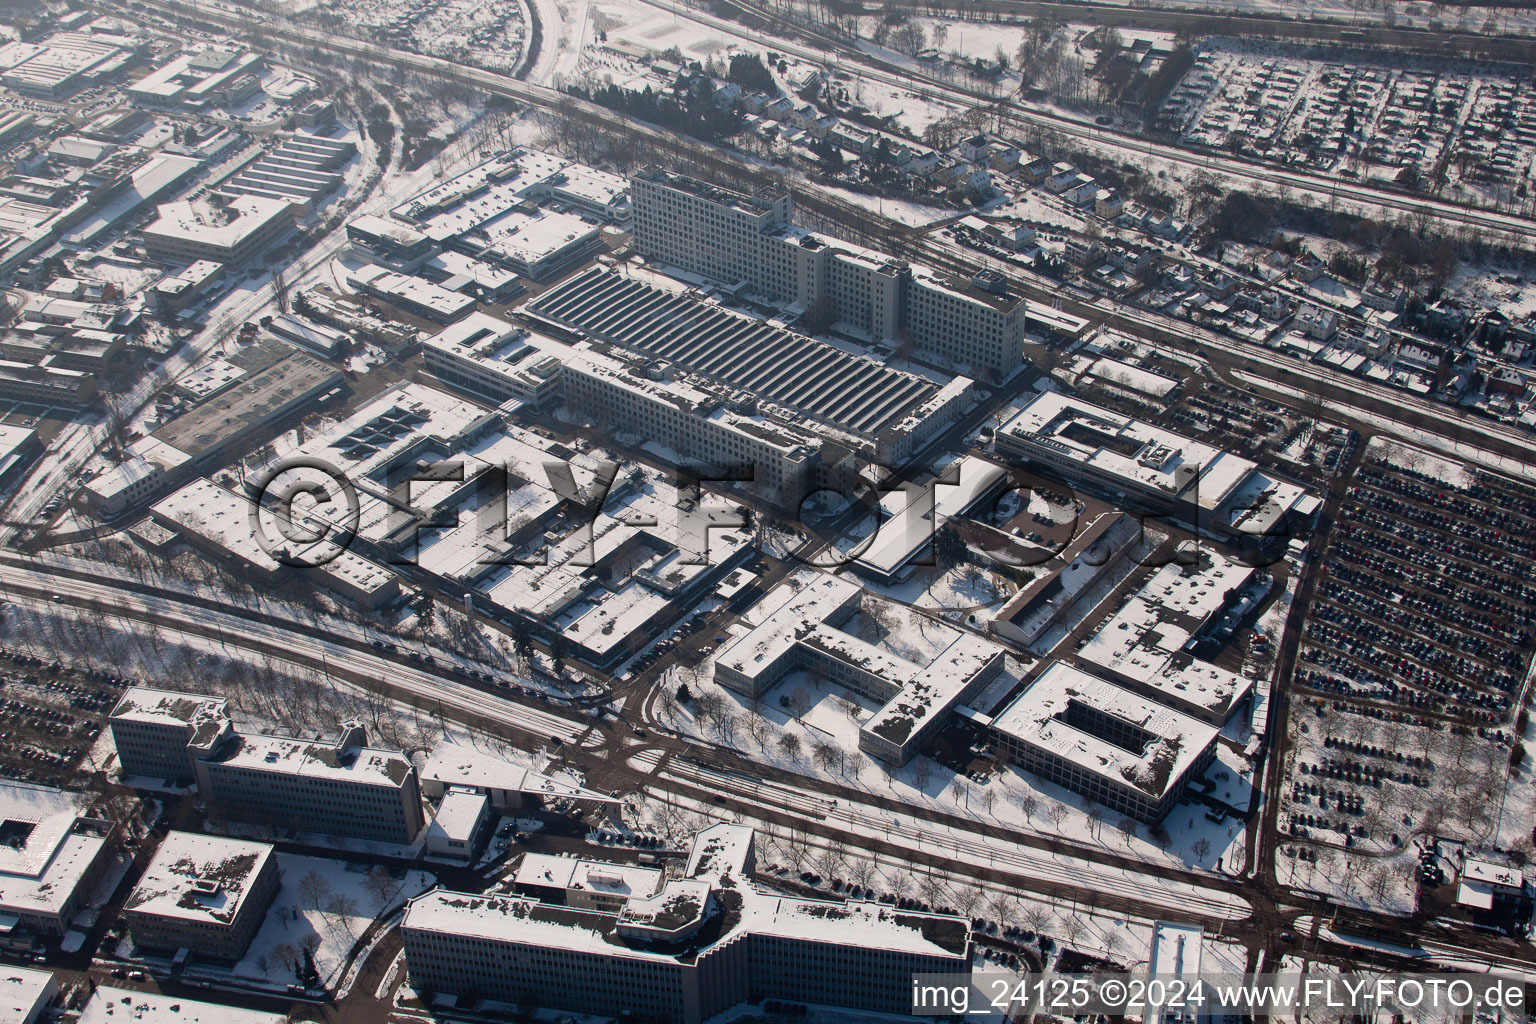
[325,905]
[822,740]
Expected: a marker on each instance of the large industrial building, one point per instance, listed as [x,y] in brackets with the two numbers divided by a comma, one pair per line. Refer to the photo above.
[703,942]
[798,629]
[803,411]
[751,241]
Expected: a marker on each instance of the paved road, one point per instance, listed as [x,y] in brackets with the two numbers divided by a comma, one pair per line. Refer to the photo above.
[1239,174]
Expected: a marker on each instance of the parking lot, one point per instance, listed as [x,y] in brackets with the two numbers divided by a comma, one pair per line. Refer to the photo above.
[50,715]
[1416,648]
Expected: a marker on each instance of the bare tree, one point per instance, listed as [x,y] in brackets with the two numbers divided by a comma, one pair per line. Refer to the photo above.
[829,863]
[958,788]
[314,888]
[1200,848]
[1028,803]
[789,743]
[827,756]
[286,955]
[759,728]
[1058,815]
[342,906]
[799,703]
[666,702]
[932,890]
[1072,929]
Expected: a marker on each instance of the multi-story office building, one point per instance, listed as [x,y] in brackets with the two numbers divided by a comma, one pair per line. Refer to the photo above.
[46,383]
[158,732]
[751,241]
[1156,470]
[703,943]
[1104,741]
[797,630]
[207,894]
[341,788]
[714,231]
[52,855]
[227,230]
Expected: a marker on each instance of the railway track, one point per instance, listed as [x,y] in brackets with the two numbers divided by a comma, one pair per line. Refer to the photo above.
[1387,203]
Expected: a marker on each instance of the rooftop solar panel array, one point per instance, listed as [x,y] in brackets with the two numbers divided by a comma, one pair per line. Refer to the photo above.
[819,380]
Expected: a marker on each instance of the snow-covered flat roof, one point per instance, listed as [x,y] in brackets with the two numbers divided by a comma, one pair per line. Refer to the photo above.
[199,878]
[1262,499]
[1176,948]
[718,851]
[465,202]
[790,611]
[124,1006]
[226,226]
[532,237]
[1053,715]
[213,376]
[722,849]
[924,510]
[225,519]
[1492,873]
[801,612]
[166,707]
[460,765]
[22,991]
[1145,640]
[362,765]
[458,815]
[595,876]
[1117,445]
[47,858]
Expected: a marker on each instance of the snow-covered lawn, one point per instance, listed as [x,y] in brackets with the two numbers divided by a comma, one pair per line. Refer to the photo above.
[324,905]
[822,740]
